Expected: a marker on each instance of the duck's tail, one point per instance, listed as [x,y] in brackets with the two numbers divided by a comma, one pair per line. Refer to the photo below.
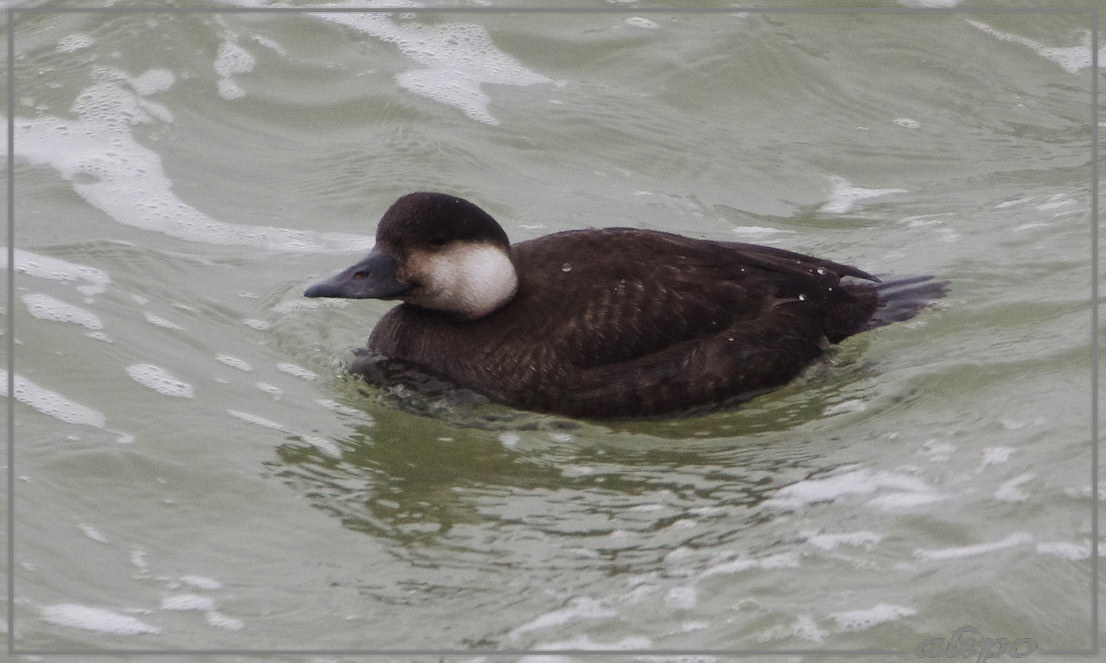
[903,298]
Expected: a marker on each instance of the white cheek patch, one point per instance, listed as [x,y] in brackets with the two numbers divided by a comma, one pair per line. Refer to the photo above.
[472,279]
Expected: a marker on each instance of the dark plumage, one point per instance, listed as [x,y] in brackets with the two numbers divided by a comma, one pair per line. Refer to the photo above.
[613,322]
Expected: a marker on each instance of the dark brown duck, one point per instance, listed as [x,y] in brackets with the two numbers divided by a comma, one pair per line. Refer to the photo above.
[612,322]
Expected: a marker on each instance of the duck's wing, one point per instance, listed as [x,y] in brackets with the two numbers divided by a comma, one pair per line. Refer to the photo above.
[642,292]
[748,358]
[782,261]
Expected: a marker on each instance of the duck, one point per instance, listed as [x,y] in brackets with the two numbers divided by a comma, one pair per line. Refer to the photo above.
[603,322]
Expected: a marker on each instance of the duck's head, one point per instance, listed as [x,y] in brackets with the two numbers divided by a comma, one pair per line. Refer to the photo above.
[437,252]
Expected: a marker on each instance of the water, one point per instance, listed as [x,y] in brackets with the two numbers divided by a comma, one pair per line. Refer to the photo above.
[195,471]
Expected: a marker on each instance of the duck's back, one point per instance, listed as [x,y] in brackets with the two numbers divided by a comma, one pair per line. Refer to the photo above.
[623,322]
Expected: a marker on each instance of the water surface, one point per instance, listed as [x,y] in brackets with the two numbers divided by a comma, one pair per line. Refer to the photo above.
[194,469]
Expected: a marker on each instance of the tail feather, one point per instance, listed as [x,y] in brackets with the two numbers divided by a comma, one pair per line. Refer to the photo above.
[903,298]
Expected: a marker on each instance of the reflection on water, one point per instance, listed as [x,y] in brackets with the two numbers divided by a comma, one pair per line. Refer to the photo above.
[413,480]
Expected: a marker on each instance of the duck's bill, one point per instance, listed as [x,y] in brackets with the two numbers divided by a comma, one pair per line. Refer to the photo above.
[372,278]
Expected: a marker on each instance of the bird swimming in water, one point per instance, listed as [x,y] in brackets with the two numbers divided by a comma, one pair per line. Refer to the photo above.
[611,322]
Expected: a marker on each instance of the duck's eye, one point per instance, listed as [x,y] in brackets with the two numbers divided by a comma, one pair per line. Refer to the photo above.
[438,241]
[360,275]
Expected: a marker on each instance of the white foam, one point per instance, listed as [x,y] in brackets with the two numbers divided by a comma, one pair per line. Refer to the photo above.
[229,90]
[860,539]
[641,22]
[1071,59]
[958,552]
[270,44]
[1060,204]
[997,455]
[219,620]
[641,585]
[74,42]
[904,500]
[859,620]
[160,380]
[457,58]
[116,174]
[254,323]
[55,269]
[258,420]
[138,559]
[938,452]
[574,471]
[201,582]
[324,445]
[760,231]
[844,196]
[682,598]
[908,490]
[1084,491]
[271,389]
[1009,491]
[293,305]
[45,307]
[94,534]
[231,59]
[582,642]
[846,407]
[335,406]
[804,628]
[906,122]
[788,560]
[187,602]
[925,220]
[678,555]
[234,362]
[153,81]
[578,608]
[95,619]
[51,403]
[1070,551]
[298,371]
[158,321]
